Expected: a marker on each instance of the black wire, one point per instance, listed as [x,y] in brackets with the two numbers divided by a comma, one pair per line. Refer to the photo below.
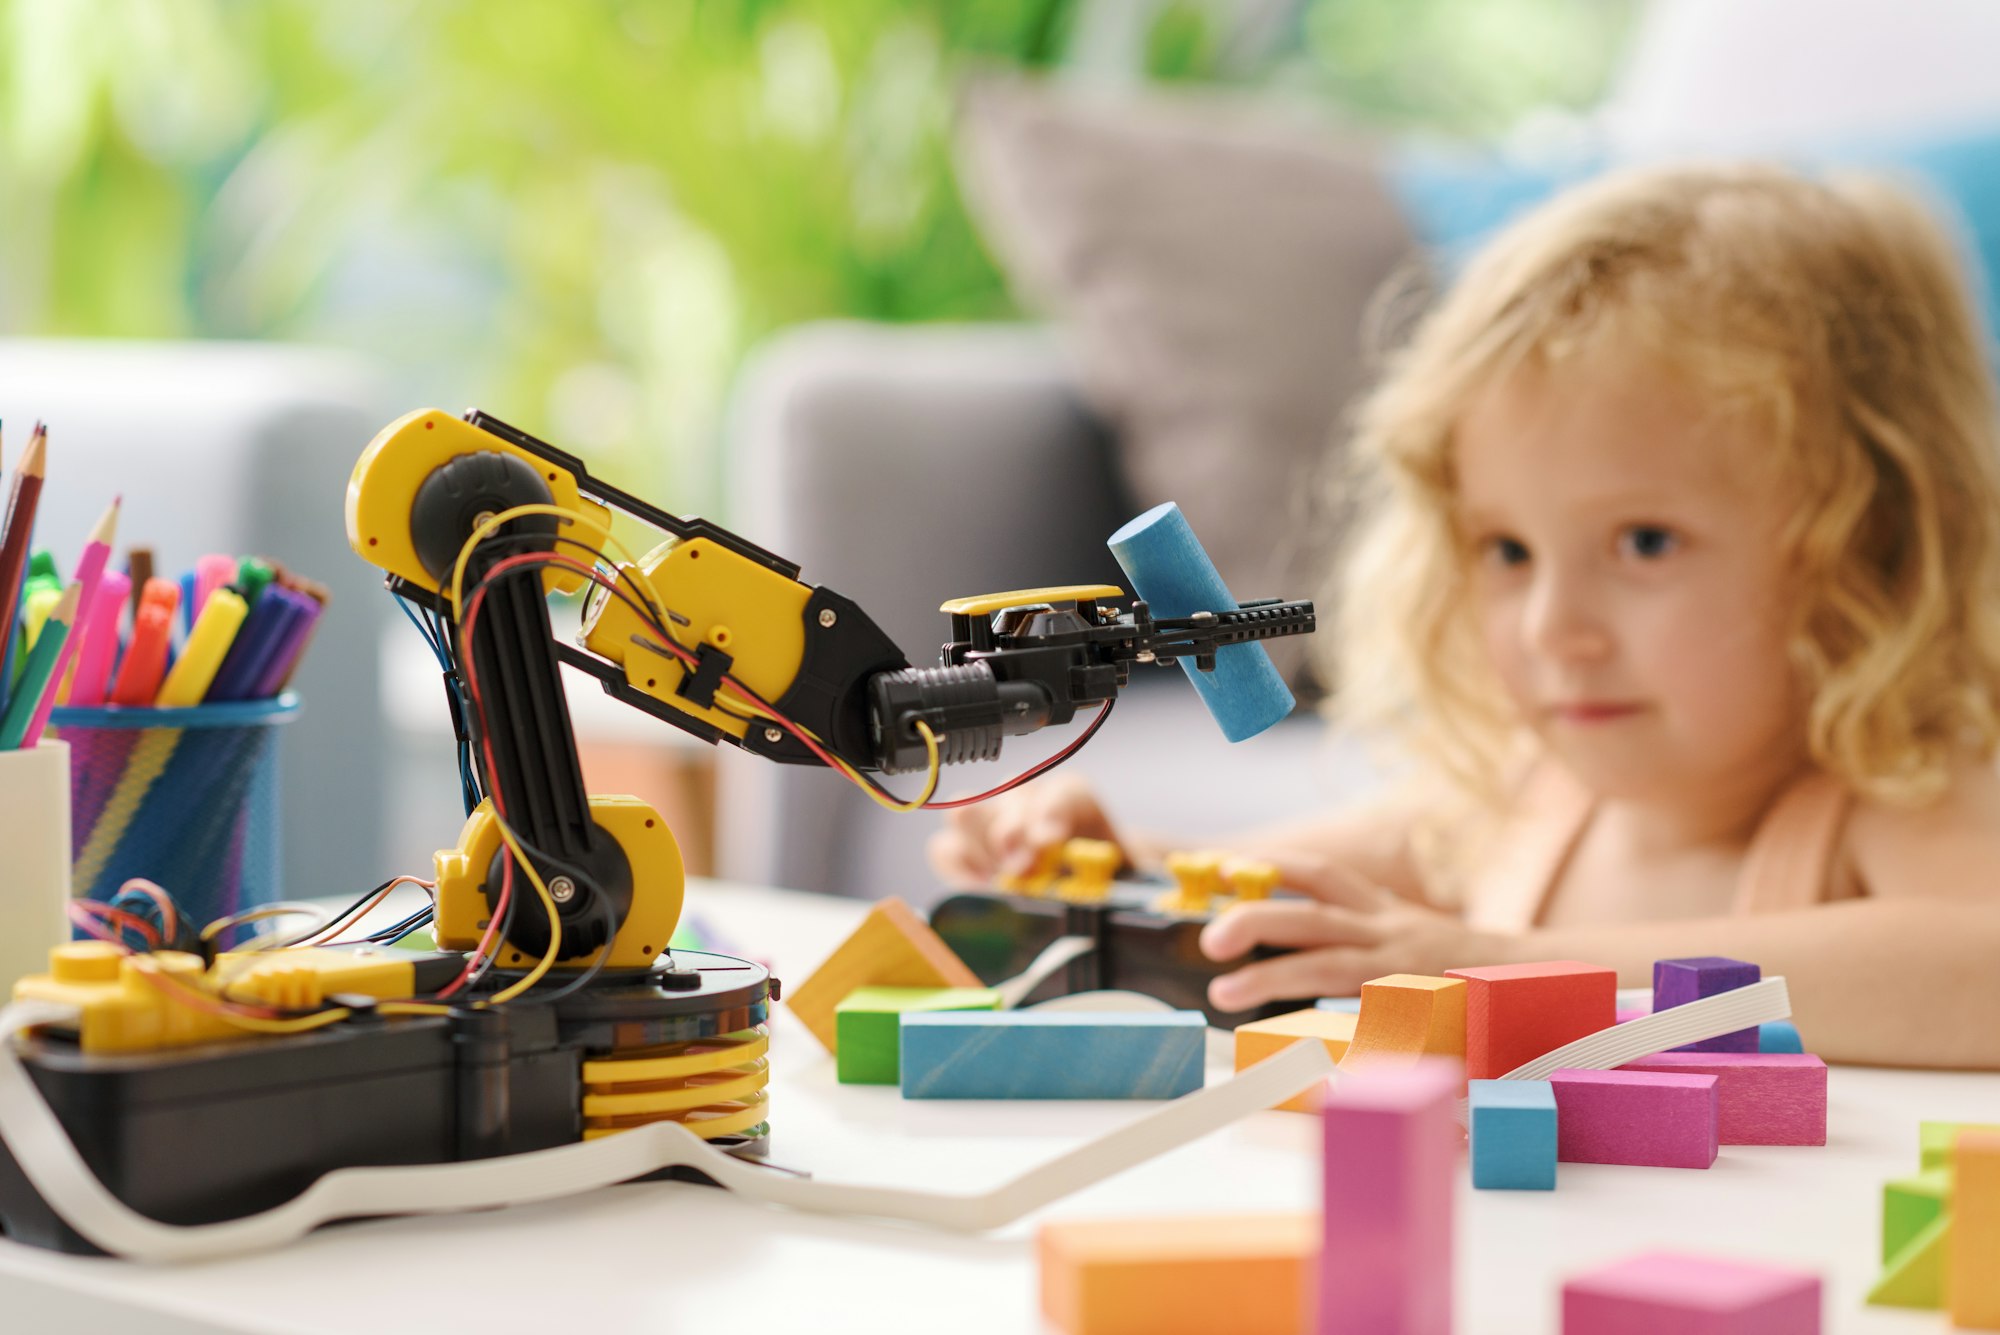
[596,966]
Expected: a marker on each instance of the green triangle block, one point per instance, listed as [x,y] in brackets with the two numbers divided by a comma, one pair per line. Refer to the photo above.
[1916,1277]
[1935,1140]
[1909,1205]
[868,1026]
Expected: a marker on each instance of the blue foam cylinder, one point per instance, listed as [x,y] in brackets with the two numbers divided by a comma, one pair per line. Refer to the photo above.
[1168,568]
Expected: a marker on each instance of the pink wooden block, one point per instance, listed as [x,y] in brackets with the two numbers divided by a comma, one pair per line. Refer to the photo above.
[1635,1117]
[1392,1145]
[1663,1293]
[1762,1098]
[1627,1013]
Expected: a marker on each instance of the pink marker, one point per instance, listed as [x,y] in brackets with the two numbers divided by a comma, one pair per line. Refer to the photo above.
[99,652]
[89,575]
[211,572]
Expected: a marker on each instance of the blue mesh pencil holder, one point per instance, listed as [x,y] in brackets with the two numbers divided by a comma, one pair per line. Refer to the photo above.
[187,798]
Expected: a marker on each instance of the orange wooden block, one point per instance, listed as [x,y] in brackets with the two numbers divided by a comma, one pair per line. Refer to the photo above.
[1516,1012]
[1972,1282]
[1405,1016]
[892,947]
[1246,1274]
[1266,1038]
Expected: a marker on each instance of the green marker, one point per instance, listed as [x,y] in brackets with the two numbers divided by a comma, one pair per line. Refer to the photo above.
[253,573]
[41,575]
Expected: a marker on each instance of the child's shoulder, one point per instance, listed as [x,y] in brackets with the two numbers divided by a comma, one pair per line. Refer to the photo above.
[1947,848]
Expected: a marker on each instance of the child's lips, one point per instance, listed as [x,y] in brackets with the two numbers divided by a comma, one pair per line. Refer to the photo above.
[1583,712]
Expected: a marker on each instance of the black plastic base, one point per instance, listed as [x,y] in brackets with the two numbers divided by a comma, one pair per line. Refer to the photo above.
[1138,950]
[204,1134]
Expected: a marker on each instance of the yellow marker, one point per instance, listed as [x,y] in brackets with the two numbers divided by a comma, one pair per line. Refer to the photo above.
[214,631]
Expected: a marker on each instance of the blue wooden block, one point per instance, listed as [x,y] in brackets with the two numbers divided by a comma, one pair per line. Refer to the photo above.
[1779,1036]
[1513,1126]
[1065,1055]
[1159,553]
[1677,982]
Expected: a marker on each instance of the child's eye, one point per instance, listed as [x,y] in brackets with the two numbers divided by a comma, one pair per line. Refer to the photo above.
[1648,542]
[1503,551]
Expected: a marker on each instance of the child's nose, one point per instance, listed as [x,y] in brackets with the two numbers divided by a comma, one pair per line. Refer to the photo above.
[1563,619]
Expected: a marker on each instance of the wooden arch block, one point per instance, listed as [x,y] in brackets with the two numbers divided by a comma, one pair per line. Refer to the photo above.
[1405,1016]
[892,947]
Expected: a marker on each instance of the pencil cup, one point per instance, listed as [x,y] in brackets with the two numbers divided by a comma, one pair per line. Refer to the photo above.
[187,798]
[34,831]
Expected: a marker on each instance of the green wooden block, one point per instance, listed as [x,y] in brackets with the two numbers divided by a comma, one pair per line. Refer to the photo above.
[1915,1277]
[1935,1139]
[867,1019]
[1909,1205]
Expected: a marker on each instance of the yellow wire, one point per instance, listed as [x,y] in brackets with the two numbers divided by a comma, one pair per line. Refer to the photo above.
[486,527]
[555,920]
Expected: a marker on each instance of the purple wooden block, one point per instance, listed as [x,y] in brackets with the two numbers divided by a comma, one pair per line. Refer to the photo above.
[1664,1293]
[1635,1117]
[1392,1146]
[1677,982]
[1762,1098]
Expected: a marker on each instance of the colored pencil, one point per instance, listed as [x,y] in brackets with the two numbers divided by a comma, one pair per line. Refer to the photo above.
[99,651]
[22,501]
[35,678]
[214,631]
[89,575]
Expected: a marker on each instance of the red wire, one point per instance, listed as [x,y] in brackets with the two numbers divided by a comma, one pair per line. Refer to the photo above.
[99,913]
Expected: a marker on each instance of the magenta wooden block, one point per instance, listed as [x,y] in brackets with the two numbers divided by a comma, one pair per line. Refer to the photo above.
[1635,1117]
[1392,1146]
[1677,982]
[1626,1013]
[1762,1098]
[1665,1293]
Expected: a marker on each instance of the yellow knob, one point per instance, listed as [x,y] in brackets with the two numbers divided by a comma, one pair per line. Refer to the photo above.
[1252,880]
[1093,859]
[85,962]
[1036,881]
[1199,878]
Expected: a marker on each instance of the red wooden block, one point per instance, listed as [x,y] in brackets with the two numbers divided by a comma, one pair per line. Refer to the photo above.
[1516,1012]
[1762,1098]
[1635,1117]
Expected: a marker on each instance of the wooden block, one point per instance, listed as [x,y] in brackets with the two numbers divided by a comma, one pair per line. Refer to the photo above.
[1910,1205]
[892,947]
[1061,1055]
[1626,1014]
[1347,1005]
[1914,1276]
[1169,1276]
[867,1021]
[1936,1141]
[1677,982]
[1266,1038]
[1391,1165]
[1779,1036]
[1512,1124]
[1516,1012]
[1762,1098]
[1692,1295]
[1635,1117]
[1405,1016]
[1972,1266]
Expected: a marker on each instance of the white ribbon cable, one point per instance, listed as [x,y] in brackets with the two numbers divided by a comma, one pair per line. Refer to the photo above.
[44,1152]
[1711,1017]
[1057,954]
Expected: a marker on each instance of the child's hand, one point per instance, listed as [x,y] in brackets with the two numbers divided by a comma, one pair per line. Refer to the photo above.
[1005,836]
[1349,932]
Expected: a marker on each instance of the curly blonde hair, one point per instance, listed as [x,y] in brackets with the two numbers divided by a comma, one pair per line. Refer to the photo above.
[1833,315]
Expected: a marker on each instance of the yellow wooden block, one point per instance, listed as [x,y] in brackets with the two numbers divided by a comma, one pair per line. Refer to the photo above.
[892,947]
[1405,1016]
[1245,1274]
[1972,1277]
[1265,1038]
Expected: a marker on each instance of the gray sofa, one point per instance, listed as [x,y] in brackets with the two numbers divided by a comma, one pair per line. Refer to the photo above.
[903,467]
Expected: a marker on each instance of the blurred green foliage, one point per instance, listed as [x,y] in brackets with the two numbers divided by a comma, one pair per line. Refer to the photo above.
[581,213]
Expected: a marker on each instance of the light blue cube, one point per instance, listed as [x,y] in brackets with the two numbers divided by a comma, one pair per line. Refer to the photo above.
[1513,1125]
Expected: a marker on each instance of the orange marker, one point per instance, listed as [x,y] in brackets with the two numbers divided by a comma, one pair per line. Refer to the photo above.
[138,681]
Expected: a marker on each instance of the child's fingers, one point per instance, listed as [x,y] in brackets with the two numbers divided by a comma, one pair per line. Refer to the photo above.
[1302,976]
[1329,883]
[958,861]
[1286,923]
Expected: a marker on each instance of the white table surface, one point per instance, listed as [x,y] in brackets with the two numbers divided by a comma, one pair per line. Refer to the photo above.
[673,1257]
